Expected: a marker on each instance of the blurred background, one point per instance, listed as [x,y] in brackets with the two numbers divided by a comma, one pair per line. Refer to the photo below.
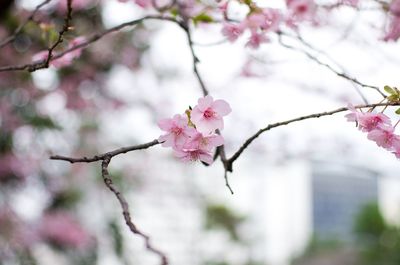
[316,192]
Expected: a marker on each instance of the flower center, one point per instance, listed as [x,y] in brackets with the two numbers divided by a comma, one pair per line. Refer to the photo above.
[208,113]
[176,130]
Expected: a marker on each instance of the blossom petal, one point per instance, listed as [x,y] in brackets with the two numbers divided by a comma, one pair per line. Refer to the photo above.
[221,107]
[204,103]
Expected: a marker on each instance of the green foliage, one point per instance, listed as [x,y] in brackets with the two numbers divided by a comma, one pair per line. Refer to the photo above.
[41,122]
[6,142]
[66,199]
[379,242]
[202,17]
[369,222]
[221,217]
[394,94]
[117,237]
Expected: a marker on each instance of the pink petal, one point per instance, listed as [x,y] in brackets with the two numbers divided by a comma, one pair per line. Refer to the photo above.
[204,103]
[216,140]
[209,126]
[221,107]
[165,124]
[206,158]
[196,115]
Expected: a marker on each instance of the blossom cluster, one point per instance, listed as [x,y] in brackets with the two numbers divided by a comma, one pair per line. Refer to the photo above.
[261,21]
[193,135]
[379,129]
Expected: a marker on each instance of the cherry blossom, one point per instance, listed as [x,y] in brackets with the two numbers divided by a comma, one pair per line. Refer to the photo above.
[383,137]
[60,228]
[207,115]
[194,155]
[256,39]
[206,143]
[232,31]
[370,121]
[177,131]
[194,137]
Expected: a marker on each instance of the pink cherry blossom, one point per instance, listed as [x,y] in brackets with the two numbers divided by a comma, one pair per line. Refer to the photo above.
[177,131]
[194,155]
[75,42]
[256,39]
[353,116]
[272,19]
[300,10]
[383,137]
[60,228]
[393,33]
[232,31]
[76,4]
[370,121]
[255,21]
[143,3]
[57,63]
[396,147]
[206,143]
[207,114]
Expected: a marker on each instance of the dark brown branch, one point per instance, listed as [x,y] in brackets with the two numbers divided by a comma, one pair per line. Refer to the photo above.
[341,74]
[110,154]
[195,59]
[125,210]
[60,39]
[20,27]
[311,116]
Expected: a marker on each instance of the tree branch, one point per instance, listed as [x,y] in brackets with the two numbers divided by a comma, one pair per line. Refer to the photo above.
[125,210]
[196,60]
[31,67]
[106,158]
[110,154]
[311,116]
[315,59]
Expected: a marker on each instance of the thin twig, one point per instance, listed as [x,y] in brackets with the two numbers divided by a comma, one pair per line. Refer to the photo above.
[195,59]
[110,154]
[125,210]
[341,74]
[311,116]
[299,38]
[19,29]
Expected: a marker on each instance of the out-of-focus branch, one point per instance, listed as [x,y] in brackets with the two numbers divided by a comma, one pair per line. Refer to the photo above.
[125,210]
[299,38]
[110,154]
[315,59]
[50,56]
[95,37]
[236,155]
[196,60]
[20,27]
[106,158]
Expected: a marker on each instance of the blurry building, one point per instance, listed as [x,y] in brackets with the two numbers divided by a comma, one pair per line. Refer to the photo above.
[338,193]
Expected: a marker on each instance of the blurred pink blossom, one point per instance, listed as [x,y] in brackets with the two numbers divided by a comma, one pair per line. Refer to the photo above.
[63,230]
[232,31]
[383,137]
